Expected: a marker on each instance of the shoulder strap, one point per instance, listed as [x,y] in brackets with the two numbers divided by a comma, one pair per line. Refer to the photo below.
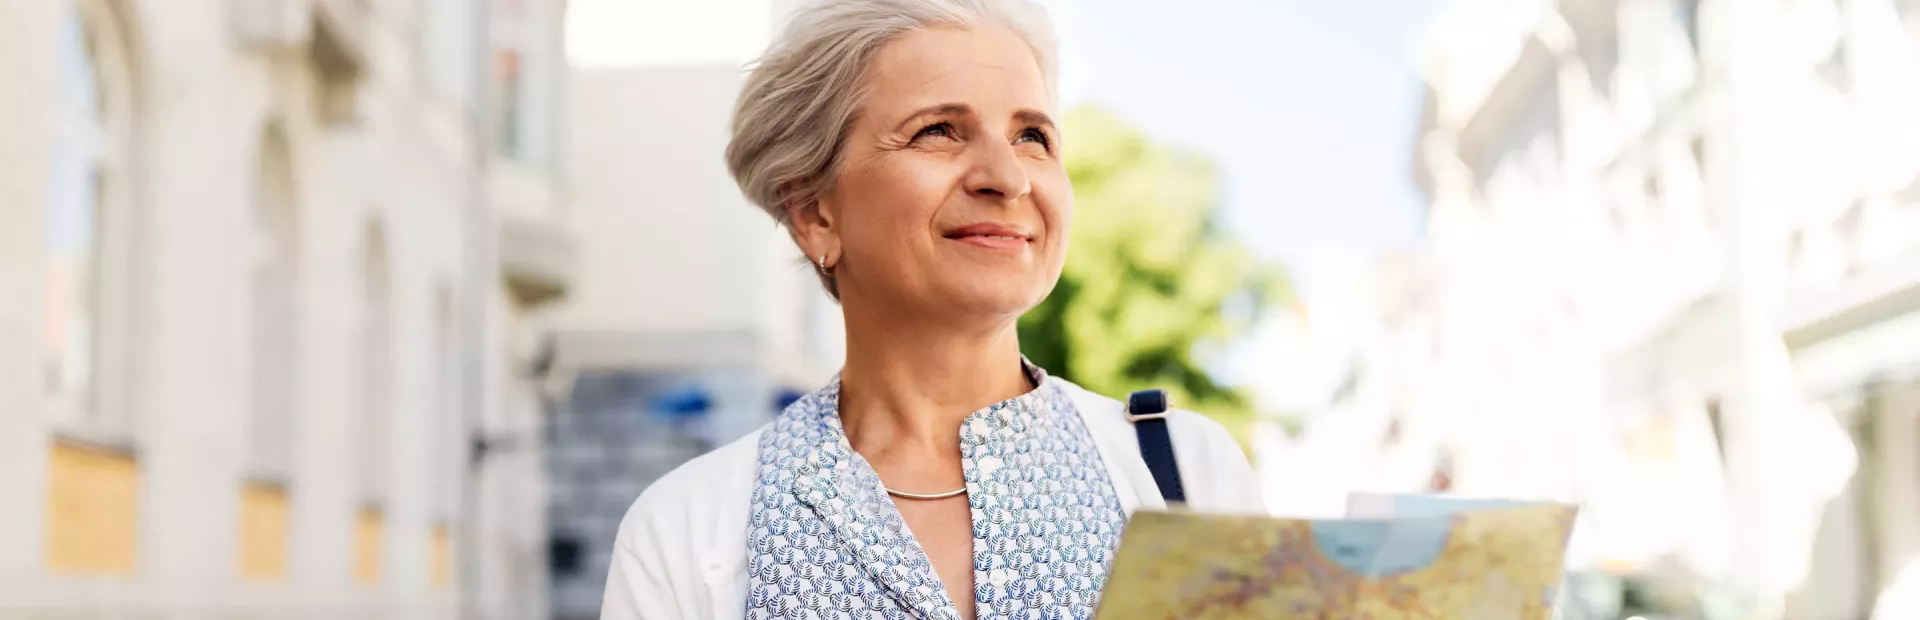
[1147,410]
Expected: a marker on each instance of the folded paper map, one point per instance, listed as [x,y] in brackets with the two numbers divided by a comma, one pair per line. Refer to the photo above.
[1498,563]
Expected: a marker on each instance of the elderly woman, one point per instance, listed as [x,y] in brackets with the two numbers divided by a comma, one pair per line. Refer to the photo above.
[909,148]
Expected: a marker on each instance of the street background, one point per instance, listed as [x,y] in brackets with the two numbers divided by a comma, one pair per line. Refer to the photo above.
[389,308]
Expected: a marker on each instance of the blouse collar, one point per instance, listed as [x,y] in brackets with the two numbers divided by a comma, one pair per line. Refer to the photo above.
[1011,415]
[827,477]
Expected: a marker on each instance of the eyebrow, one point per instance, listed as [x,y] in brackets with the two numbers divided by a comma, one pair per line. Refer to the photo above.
[1034,117]
[1025,116]
[942,109]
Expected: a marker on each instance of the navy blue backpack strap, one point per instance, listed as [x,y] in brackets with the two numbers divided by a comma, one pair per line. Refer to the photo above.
[1147,410]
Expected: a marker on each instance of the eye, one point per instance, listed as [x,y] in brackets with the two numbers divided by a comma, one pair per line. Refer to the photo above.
[1035,134]
[941,129]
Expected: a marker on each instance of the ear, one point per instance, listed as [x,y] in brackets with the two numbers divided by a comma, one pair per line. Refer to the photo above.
[812,222]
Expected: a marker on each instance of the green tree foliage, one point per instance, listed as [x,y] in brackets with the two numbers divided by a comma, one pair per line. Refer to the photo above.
[1151,278]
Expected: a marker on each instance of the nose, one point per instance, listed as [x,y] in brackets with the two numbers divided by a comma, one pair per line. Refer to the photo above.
[997,173]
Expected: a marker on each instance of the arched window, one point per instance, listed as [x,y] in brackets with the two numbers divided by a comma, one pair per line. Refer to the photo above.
[375,363]
[92,496]
[375,369]
[275,292]
[273,333]
[87,220]
[448,437]
[523,42]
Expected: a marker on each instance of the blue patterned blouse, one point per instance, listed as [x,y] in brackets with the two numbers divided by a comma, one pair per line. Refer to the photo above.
[825,540]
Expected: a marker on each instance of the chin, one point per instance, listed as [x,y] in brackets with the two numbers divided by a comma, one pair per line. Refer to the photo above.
[996,297]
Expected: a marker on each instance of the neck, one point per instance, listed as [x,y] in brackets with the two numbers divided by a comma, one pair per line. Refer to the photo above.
[908,384]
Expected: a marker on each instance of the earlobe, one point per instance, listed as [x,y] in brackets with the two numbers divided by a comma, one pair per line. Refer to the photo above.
[812,229]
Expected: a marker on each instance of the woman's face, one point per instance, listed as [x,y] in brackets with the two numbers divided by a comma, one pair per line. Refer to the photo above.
[951,197]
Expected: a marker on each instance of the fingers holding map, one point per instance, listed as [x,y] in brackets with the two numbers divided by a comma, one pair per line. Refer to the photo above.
[1483,562]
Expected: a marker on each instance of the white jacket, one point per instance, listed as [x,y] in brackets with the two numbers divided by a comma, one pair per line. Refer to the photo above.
[682,550]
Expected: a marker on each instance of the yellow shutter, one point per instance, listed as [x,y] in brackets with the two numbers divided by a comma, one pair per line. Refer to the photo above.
[369,546]
[93,501]
[263,532]
[442,561]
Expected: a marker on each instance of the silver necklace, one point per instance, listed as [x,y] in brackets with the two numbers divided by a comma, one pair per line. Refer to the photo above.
[899,493]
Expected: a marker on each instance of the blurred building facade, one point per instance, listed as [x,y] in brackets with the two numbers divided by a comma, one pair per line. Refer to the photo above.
[274,267]
[694,319]
[1687,232]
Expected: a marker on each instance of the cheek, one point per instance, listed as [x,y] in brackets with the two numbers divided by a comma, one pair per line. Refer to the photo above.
[889,203]
[1054,195]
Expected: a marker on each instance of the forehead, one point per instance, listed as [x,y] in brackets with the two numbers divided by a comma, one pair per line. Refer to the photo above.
[986,68]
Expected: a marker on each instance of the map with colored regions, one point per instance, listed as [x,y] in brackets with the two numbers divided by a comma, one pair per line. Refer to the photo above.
[1498,563]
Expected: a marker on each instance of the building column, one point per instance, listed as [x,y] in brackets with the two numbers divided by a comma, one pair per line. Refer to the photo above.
[26,147]
[195,169]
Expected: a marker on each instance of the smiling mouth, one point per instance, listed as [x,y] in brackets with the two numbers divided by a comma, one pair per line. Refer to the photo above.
[989,231]
[999,237]
[994,239]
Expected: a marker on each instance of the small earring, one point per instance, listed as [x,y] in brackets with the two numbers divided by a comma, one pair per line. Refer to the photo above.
[823,262]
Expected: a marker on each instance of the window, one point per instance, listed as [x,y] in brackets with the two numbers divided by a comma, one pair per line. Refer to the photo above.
[375,416]
[73,232]
[507,102]
[448,437]
[510,43]
[265,507]
[375,369]
[93,485]
[525,41]
[87,205]
[566,555]
[275,326]
[449,432]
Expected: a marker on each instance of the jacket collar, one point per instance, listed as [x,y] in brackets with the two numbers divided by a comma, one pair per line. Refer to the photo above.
[1119,448]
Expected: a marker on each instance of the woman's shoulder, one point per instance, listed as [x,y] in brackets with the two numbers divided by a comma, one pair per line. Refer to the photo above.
[1107,414]
[699,493]
[682,535]
[1214,470]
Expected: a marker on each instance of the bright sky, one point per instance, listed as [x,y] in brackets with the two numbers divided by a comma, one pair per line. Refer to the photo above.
[1308,106]
[1310,109]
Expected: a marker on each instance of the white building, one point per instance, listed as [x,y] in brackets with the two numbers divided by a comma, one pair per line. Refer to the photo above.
[1699,222]
[271,266]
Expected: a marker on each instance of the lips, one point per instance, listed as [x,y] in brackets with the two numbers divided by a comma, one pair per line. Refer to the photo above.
[991,236]
[989,230]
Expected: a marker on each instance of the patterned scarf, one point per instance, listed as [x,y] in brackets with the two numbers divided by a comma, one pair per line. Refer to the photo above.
[825,540]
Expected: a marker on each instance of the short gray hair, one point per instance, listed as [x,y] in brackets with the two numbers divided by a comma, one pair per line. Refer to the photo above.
[793,113]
